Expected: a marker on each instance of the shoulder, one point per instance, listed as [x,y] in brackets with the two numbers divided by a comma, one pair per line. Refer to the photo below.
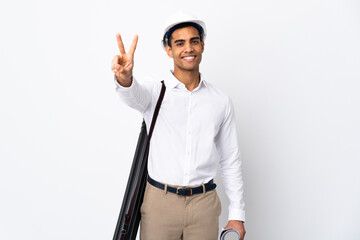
[221,101]
[218,94]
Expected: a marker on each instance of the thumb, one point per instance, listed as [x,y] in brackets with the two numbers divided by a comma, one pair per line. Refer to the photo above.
[118,68]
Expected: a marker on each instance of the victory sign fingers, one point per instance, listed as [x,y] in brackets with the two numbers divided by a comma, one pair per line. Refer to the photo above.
[123,64]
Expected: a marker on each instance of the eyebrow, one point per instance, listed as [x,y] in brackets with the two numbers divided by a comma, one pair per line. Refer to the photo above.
[194,38]
[191,39]
[179,40]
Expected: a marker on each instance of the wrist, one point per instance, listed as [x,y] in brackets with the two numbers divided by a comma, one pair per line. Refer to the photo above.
[124,82]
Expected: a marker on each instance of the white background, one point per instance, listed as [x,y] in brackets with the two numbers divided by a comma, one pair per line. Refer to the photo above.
[67,142]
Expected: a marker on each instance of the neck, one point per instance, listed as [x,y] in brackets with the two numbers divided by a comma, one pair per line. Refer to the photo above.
[190,79]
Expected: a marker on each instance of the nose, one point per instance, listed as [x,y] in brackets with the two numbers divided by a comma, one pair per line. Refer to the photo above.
[188,47]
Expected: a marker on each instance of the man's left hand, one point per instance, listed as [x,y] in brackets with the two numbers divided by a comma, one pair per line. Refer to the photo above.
[237,225]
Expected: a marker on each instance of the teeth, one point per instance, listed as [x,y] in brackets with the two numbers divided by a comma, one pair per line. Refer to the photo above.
[189,57]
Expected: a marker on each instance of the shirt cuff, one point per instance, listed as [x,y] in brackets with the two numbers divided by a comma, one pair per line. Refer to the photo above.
[122,88]
[236,214]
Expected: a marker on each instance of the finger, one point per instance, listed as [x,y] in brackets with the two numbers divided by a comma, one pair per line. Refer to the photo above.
[118,68]
[133,45]
[129,66]
[120,44]
[115,67]
[113,62]
[118,75]
[116,59]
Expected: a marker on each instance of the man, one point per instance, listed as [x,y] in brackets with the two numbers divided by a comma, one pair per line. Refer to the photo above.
[195,125]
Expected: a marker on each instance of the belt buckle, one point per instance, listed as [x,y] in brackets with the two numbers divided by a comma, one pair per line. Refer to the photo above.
[184,191]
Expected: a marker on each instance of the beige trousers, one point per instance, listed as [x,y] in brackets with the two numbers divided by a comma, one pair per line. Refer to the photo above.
[167,216]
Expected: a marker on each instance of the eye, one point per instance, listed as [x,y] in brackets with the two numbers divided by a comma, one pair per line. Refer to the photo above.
[195,41]
[180,44]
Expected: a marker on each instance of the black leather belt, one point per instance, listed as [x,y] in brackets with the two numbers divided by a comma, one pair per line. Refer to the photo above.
[184,191]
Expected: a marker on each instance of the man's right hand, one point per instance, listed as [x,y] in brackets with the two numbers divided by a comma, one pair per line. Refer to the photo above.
[123,64]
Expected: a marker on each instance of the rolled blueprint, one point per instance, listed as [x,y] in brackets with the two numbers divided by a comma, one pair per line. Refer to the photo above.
[229,234]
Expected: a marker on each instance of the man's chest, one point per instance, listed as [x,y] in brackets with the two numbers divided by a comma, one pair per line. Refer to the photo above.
[192,111]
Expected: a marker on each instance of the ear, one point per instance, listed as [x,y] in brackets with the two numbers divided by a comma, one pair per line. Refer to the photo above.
[169,51]
[202,46]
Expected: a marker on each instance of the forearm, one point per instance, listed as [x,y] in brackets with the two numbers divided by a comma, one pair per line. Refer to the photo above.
[233,185]
[137,95]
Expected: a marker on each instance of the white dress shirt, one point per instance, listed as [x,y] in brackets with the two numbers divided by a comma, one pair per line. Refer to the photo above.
[194,131]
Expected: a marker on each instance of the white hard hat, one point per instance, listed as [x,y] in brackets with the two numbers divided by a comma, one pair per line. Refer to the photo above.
[182,17]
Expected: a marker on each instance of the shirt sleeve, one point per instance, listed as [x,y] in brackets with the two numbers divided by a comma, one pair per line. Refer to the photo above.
[137,96]
[230,164]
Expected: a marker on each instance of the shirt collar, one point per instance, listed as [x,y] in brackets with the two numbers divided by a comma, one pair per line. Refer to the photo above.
[173,82]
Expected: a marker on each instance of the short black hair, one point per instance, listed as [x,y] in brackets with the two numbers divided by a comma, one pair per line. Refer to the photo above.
[167,35]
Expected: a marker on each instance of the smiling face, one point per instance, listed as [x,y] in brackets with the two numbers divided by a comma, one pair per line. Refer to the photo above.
[186,49]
